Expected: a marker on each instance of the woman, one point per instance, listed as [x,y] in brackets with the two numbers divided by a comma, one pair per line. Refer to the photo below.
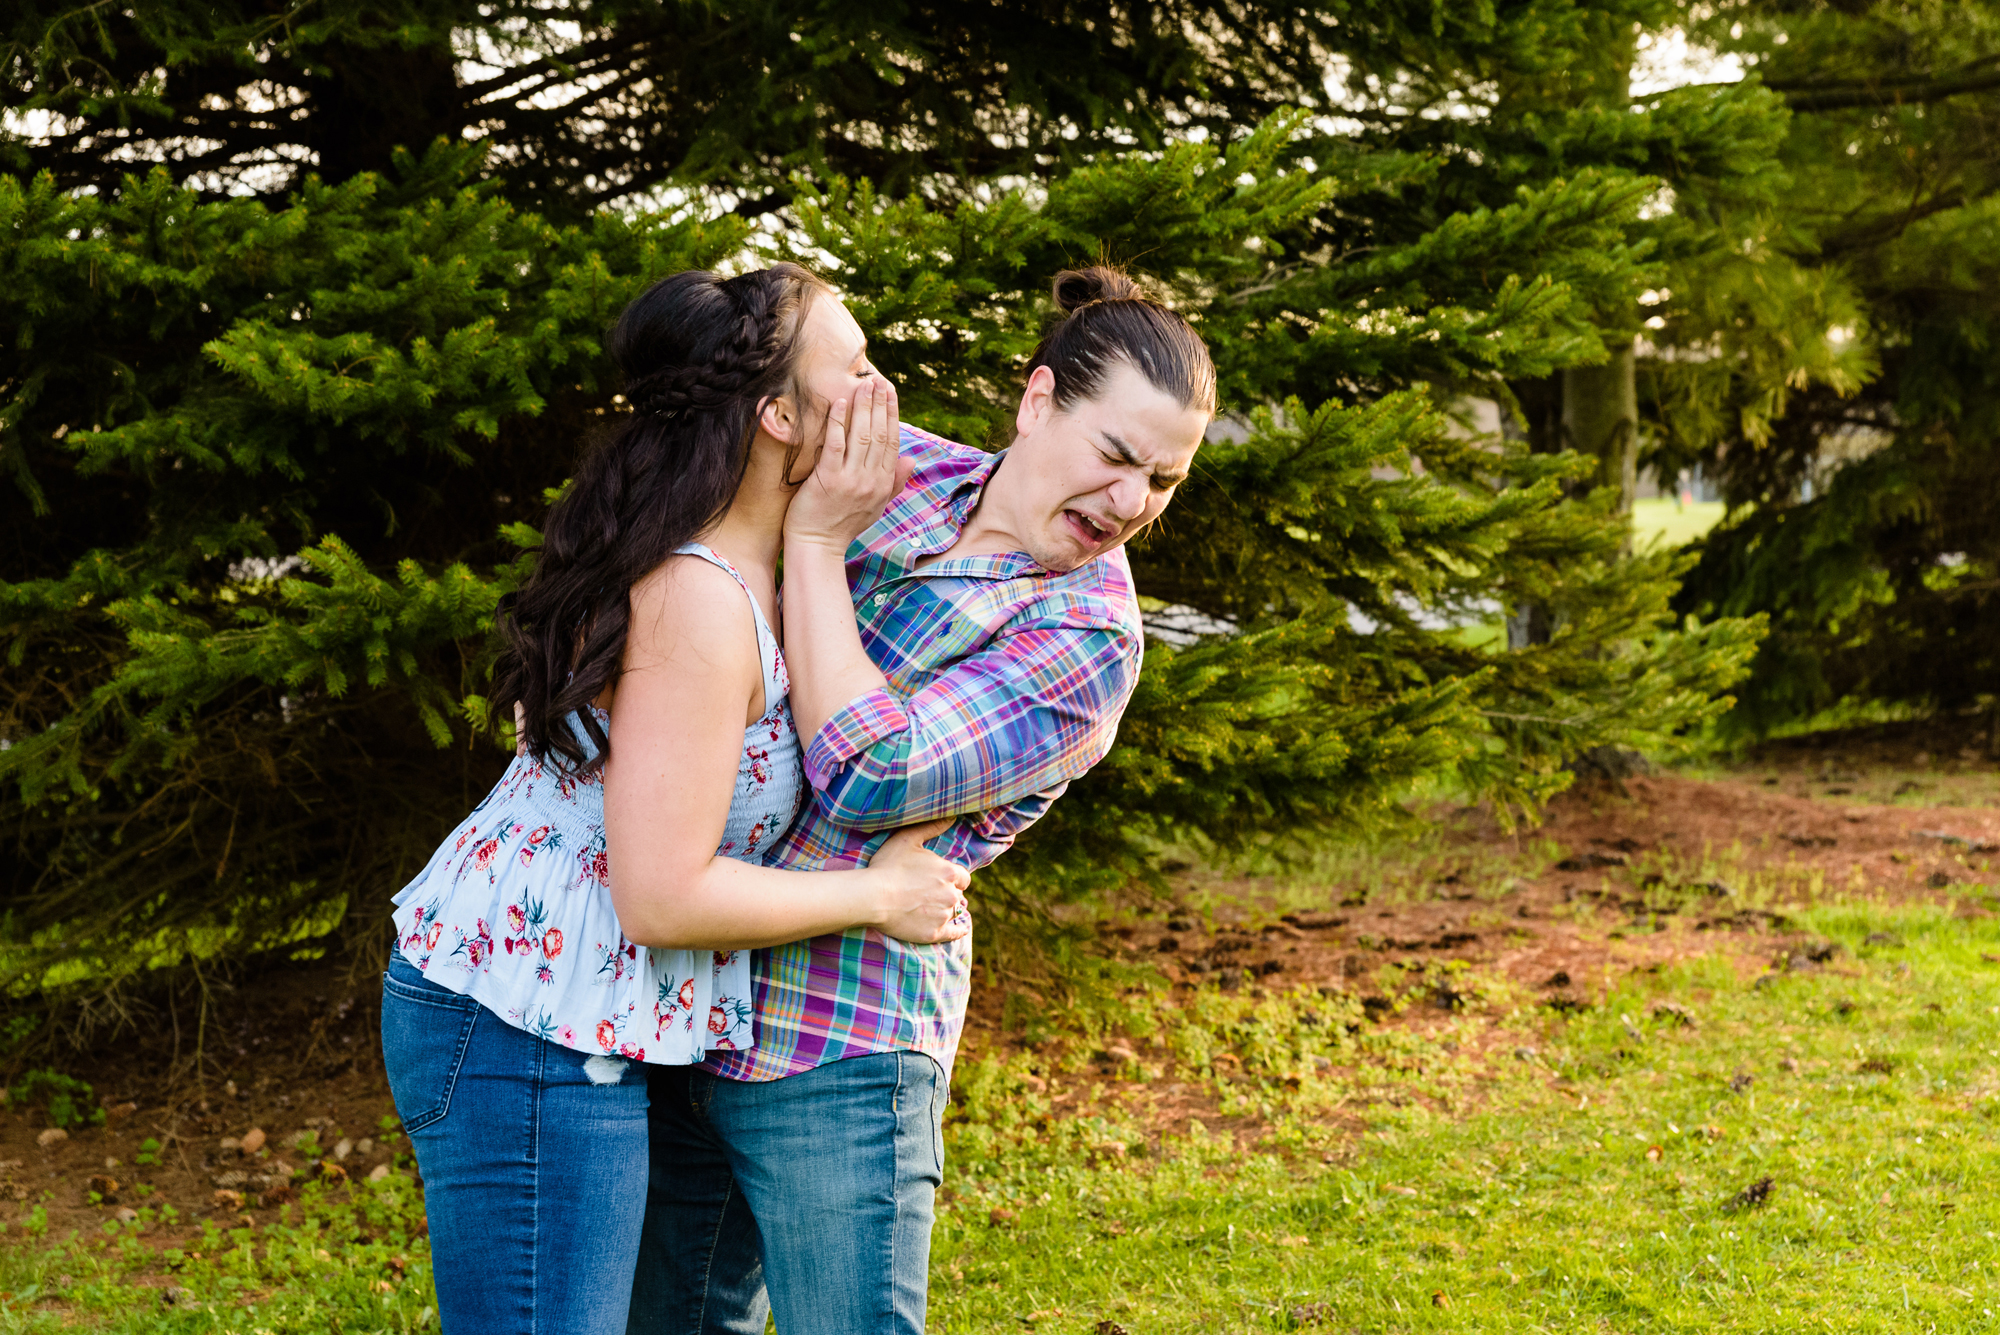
[592,916]
[966,652]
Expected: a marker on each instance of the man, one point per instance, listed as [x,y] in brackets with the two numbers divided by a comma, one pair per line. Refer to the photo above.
[993,643]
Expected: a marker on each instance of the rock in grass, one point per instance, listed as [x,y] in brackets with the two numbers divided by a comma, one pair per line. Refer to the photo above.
[1753,1195]
[55,1135]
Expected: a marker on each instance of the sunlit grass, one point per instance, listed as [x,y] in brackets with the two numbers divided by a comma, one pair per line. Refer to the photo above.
[1668,523]
[1595,1184]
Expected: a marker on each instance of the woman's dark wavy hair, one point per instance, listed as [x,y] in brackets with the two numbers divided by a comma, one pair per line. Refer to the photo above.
[1107,320]
[701,355]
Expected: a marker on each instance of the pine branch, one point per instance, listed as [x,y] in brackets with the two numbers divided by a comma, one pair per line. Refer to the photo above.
[1909,90]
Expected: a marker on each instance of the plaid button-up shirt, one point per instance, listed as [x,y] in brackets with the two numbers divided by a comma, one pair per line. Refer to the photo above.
[1005,682]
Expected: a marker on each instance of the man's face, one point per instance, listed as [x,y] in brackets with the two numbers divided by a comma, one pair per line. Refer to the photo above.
[1094,474]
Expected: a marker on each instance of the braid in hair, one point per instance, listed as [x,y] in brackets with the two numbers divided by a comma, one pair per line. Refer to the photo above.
[701,355]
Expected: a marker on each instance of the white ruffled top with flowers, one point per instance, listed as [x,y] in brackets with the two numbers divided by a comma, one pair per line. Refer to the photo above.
[514,909]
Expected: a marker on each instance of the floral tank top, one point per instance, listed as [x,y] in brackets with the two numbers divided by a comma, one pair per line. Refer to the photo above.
[514,909]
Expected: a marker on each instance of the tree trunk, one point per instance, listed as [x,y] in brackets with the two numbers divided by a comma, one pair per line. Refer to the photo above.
[1591,409]
[1600,417]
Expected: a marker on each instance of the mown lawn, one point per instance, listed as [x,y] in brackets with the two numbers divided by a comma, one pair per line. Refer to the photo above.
[1481,1164]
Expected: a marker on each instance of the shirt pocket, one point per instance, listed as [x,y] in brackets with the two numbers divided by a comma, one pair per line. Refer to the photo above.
[950,624]
[425,1032]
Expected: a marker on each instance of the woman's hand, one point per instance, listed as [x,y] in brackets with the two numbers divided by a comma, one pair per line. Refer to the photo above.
[857,473]
[922,896]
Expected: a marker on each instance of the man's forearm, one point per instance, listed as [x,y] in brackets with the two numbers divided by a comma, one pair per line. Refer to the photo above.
[822,643]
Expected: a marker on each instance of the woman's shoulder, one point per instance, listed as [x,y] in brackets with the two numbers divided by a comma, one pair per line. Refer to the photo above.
[690,602]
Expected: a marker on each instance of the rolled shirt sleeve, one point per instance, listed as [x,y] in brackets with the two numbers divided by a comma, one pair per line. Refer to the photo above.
[1031,712]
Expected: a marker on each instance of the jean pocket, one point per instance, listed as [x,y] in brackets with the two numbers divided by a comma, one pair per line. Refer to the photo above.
[425,1032]
[940,1097]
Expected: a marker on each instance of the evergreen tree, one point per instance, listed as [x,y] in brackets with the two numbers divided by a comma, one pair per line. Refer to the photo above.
[274,461]
[604,99]
[1865,506]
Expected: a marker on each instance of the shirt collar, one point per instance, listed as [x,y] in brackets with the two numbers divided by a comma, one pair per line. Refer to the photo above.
[939,513]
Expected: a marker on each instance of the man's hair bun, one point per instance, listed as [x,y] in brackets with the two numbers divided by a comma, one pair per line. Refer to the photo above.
[1079,287]
[1107,321]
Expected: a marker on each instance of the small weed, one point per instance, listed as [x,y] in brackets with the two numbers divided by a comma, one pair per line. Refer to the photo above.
[65,1101]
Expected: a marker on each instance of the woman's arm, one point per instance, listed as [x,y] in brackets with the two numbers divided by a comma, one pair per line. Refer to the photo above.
[1031,711]
[677,720]
[854,478]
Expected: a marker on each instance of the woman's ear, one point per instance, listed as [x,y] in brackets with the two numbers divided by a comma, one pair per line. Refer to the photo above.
[779,419]
[1038,401]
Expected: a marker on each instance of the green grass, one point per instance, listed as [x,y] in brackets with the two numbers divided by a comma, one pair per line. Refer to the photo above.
[1525,1190]
[1497,1167]
[1668,523]
[350,1261]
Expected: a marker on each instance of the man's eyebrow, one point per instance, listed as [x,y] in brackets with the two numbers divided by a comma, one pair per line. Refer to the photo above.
[1125,455]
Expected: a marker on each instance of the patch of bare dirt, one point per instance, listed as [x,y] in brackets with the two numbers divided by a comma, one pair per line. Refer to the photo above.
[289,1065]
[1619,877]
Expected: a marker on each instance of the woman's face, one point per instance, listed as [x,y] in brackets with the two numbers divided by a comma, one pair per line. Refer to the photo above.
[1092,475]
[833,363]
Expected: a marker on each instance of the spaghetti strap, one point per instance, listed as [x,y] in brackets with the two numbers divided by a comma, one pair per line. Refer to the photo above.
[777,681]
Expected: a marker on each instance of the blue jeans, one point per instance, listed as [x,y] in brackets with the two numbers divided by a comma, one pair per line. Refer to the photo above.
[818,1188]
[533,1159]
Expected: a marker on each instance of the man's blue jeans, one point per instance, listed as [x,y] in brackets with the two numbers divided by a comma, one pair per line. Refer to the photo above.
[534,1164]
[820,1187]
